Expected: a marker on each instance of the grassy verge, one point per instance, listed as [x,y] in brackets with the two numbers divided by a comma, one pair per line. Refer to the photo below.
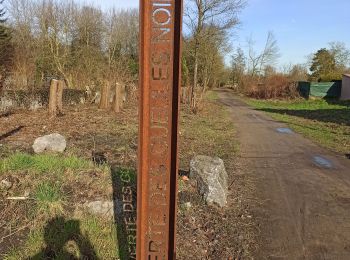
[40,164]
[325,122]
[64,238]
[50,221]
[54,186]
[210,132]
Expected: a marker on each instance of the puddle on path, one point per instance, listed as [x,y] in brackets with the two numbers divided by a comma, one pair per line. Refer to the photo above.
[285,130]
[323,162]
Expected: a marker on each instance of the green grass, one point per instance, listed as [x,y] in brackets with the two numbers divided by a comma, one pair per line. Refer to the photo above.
[211,132]
[42,163]
[326,123]
[212,96]
[126,175]
[85,238]
[54,182]
[49,198]
[298,104]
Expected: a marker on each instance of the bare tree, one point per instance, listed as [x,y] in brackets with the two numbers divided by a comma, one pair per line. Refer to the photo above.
[298,72]
[199,14]
[76,42]
[211,53]
[238,66]
[268,56]
[21,18]
[5,45]
[341,55]
[121,43]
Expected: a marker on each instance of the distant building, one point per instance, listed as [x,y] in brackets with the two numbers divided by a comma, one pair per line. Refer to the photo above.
[345,92]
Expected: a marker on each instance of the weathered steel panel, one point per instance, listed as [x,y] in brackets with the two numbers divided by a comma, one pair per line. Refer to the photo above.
[159,98]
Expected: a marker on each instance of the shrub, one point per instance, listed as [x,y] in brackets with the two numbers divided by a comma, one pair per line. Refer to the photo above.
[273,87]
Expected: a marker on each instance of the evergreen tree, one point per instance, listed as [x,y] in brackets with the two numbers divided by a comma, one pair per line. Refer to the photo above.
[323,64]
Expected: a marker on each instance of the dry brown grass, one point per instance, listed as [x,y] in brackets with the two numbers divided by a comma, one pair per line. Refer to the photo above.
[204,232]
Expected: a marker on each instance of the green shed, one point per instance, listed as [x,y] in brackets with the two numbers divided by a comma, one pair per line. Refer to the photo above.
[326,89]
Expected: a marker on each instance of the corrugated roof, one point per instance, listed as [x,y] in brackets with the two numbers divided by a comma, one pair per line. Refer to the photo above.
[347,75]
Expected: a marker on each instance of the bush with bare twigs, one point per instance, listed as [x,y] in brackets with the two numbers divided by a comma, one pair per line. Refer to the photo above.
[272,87]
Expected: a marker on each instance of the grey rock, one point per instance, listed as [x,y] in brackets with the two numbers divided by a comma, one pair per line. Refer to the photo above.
[211,178]
[100,208]
[6,103]
[35,105]
[188,205]
[50,143]
[5,184]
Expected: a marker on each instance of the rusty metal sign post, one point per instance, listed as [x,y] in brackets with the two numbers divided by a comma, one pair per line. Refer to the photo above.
[160,54]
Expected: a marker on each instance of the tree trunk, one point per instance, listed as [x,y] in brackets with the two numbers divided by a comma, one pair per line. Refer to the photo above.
[60,87]
[104,103]
[194,104]
[53,98]
[1,84]
[205,81]
[117,104]
[195,76]
[196,50]
[184,91]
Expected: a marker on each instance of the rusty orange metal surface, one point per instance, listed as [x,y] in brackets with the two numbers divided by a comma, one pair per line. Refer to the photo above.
[160,54]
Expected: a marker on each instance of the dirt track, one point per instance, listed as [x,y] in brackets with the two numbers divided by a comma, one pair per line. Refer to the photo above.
[305,210]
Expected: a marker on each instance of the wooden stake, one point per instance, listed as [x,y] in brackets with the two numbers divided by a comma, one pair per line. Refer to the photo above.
[53,98]
[104,103]
[117,104]
[60,88]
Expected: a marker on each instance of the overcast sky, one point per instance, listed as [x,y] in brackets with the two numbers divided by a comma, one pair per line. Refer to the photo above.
[300,26]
